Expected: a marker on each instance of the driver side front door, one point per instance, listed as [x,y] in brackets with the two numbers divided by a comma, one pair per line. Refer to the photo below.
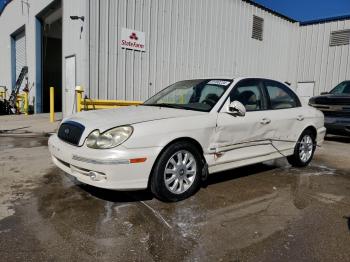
[242,140]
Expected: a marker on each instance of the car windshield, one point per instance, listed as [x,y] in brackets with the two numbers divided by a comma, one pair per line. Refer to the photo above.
[199,95]
[342,89]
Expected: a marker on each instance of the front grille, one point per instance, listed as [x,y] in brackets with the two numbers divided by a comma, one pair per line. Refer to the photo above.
[71,132]
[336,113]
[329,100]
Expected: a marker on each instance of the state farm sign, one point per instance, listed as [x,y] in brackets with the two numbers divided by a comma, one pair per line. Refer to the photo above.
[132,39]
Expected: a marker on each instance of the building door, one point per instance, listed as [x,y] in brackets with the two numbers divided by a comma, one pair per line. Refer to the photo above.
[20,55]
[52,62]
[48,56]
[69,89]
[305,90]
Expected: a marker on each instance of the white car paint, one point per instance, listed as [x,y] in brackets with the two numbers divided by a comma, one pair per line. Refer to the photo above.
[227,141]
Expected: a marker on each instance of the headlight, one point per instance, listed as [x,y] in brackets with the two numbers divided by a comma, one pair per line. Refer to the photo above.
[110,138]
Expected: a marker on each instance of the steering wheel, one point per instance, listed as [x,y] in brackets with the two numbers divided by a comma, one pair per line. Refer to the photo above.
[209,101]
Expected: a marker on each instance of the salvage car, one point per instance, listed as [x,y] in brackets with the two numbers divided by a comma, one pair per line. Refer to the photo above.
[335,106]
[190,129]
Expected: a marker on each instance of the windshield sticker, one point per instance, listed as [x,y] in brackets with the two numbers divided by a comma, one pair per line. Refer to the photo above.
[219,82]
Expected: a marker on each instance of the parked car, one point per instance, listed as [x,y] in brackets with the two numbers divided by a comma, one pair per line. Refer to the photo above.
[185,132]
[335,106]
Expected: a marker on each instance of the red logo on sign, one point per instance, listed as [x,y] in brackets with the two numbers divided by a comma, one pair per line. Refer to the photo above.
[133,36]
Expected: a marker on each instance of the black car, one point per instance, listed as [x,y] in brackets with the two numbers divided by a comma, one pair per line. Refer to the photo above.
[335,106]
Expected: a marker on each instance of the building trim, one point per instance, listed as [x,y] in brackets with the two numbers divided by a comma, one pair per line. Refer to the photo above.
[38,105]
[325,20]
[271,11]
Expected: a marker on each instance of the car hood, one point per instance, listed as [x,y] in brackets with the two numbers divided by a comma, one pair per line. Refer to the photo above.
[109,118]
[330,99]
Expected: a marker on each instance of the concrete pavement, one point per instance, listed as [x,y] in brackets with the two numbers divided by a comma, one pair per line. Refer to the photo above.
[39,123]
[265,212]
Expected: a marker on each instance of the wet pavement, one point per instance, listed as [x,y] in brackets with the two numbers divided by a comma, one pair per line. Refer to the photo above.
[264,212]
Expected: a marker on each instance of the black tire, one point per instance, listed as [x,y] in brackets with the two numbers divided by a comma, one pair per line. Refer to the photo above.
[296,159]
[158,176]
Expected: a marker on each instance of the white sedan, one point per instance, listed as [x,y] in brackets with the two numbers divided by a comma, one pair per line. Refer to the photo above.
[185,132]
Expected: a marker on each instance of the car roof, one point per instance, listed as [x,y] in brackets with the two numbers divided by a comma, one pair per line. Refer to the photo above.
[235,78]
[238,78]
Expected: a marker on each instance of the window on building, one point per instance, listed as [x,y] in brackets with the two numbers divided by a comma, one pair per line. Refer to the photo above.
[258,28]
[341,37]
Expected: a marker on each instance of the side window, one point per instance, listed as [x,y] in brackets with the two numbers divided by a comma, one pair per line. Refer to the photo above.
[248,92]
[281,97]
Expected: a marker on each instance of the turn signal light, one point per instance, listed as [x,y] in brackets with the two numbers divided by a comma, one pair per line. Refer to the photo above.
[137,160]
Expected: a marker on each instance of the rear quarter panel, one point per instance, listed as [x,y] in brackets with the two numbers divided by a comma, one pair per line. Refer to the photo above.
[313,117]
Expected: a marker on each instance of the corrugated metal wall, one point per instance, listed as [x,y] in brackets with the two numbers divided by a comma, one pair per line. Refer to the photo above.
[319,62]
[184,39]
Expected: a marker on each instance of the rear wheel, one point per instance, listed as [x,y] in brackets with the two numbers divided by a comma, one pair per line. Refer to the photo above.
[177,172]
[304,150]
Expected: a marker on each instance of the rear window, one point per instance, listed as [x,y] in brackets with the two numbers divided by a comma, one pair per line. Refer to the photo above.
[280,96]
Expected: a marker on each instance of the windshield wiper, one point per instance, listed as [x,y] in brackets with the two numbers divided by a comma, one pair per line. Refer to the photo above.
[167,105]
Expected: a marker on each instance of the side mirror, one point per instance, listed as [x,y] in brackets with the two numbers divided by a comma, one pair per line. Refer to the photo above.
[236,108]
[324,93]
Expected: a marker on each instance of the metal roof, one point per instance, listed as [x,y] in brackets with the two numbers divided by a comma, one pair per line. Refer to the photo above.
[3,4]
[271,11]
[325,20]
[310,22]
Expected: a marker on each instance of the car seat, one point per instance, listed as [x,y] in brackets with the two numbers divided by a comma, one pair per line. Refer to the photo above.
[249,100]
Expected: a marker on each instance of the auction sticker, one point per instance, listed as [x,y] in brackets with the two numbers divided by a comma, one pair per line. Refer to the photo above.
[219,82]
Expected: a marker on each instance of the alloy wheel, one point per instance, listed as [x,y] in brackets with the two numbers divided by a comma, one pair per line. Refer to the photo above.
[306,148]
[180,172]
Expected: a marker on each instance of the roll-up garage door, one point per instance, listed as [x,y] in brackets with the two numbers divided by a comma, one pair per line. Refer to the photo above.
[20,50]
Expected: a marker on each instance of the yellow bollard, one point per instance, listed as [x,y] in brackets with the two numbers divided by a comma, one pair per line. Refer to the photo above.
[17,103]
[3,92]
[79,92]
[182,99]
[52,104]
[26,103]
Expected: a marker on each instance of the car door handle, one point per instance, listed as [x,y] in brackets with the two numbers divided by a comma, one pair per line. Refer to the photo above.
[300,117]
[265,121]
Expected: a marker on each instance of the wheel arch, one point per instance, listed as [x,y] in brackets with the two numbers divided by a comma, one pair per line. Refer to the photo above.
[179,139]
[312,129]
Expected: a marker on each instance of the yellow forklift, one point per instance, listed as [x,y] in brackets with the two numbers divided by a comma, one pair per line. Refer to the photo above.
[9,107]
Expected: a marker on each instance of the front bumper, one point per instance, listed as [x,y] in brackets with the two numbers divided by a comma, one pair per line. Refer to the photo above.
[338,125]
[112,165]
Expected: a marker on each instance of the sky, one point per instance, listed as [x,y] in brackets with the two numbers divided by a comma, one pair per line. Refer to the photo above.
[306,10]
[2,3]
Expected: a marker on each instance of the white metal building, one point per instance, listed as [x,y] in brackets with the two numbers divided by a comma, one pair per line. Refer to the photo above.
[130,49]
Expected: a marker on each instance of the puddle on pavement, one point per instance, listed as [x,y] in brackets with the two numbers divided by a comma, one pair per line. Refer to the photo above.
[230,214]
[22,141]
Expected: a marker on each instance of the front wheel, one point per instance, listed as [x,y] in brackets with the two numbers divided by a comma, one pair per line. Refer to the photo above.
[304,150]
[177,173]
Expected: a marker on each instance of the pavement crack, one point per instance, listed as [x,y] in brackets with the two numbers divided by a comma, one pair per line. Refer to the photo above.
[157,214]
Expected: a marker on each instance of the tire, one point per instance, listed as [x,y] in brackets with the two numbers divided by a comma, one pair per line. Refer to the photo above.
[303,153]
[171,179]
